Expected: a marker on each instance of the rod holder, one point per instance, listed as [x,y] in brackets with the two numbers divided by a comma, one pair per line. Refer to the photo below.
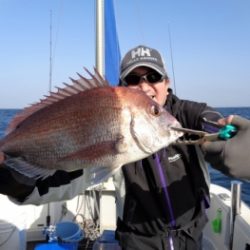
[235,207]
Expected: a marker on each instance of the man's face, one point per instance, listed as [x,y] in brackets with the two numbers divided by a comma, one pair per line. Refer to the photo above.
[158,90]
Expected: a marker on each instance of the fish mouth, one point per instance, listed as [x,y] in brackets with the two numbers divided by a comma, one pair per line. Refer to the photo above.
[177,130]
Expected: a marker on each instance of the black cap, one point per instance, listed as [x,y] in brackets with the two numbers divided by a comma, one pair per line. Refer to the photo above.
[142,56]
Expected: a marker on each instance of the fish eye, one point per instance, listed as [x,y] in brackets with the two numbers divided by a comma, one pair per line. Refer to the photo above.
[155,110]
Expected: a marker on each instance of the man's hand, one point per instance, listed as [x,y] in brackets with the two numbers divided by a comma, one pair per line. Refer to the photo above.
[232,156]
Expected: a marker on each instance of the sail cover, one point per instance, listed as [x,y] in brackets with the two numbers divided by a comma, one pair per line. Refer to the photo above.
[112,49]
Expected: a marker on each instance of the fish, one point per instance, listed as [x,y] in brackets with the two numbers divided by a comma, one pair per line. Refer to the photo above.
[87,125]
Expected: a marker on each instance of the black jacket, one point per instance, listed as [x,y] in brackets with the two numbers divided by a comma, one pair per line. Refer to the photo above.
[146,211]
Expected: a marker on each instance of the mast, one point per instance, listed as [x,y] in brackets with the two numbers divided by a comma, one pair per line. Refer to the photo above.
[100,39]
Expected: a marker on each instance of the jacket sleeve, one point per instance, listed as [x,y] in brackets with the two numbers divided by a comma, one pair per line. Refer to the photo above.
[23,190]
[191,114]
[69,186]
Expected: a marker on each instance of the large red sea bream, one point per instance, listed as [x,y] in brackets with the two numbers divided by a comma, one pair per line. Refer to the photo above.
[88,124]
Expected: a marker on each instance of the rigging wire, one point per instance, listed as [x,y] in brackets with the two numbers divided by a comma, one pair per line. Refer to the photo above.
[60,16]
[51,65]
[54,46]
[139,22]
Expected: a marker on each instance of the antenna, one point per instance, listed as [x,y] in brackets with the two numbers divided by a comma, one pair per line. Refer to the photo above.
[50,52]
[48,218]
[171,56]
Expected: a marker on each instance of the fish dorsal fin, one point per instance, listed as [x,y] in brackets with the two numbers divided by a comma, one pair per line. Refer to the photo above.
[77,86]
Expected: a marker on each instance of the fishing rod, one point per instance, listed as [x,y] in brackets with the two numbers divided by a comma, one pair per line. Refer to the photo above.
[171,57]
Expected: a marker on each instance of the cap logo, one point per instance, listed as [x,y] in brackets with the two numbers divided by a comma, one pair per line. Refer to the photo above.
[140,52]
[142,56]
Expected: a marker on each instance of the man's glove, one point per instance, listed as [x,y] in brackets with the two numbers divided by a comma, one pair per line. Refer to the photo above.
[232,157]
[19,186]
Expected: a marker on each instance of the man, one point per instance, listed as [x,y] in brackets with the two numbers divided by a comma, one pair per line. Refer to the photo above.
[161,199]
[148,220]
[164,212]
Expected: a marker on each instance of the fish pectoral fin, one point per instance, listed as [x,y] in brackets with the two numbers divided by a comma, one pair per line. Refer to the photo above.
[27,169]
[120,144]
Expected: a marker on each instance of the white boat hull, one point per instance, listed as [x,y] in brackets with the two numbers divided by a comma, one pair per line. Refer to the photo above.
[31,220]
[221,199]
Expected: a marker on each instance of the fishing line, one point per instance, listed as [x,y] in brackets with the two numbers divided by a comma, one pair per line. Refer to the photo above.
[163,182]
[171,57]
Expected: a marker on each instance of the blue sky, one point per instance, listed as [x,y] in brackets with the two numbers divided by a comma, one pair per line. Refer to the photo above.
[210,45]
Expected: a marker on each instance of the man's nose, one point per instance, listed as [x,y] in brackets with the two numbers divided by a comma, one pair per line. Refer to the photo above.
[144,86]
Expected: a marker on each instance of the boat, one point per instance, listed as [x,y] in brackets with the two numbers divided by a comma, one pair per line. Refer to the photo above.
[229,219]
[94,210]
[23,227]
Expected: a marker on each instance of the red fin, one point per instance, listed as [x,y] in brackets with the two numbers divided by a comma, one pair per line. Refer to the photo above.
[78,86]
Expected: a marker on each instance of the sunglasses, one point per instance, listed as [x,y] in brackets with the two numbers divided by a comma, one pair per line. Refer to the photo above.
[150,77]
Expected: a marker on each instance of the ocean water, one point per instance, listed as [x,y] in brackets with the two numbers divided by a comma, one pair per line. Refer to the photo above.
[216,177]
